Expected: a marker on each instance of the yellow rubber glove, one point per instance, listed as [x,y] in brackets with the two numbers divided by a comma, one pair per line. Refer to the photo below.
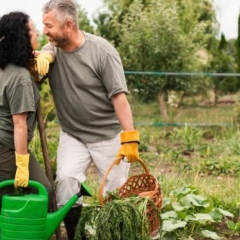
[129,148]
[43,60]
[22,173]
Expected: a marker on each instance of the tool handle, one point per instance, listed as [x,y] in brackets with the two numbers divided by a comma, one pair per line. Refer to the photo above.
[41,189]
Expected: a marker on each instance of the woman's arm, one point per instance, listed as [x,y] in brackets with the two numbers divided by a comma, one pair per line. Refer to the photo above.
[20,133]
[21,153]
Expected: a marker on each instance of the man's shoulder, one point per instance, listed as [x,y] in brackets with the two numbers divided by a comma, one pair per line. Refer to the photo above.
[95,38]
[48,46]
[100,42]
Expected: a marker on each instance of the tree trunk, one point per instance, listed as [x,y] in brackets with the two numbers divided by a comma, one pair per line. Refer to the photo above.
[162,106]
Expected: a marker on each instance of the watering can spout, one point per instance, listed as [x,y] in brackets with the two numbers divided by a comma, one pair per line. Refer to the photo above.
[54,219]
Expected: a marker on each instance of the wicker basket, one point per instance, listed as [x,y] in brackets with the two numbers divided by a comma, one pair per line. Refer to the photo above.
[145,185]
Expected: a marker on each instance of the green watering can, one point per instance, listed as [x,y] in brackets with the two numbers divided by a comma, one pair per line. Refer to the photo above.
[25,216]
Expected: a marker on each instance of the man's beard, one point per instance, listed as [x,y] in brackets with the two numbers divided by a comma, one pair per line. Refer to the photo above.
[60,42]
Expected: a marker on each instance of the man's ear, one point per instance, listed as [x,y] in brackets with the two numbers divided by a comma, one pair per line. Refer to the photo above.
[69,25]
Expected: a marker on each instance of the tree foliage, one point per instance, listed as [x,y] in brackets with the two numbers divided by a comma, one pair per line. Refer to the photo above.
[83,20]
[223,62]
[156,38]
[115,10]
[238,46]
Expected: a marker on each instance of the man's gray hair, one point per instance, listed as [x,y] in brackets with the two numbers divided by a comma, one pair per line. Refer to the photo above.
[65,9]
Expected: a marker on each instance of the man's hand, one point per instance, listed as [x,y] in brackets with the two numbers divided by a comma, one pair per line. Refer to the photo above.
[22,173]
[43,60]
[129,148]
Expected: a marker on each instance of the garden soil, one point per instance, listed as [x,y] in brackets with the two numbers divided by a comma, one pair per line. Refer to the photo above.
[63,233]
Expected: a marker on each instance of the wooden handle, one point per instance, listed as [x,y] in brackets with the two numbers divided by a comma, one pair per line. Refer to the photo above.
[48,168]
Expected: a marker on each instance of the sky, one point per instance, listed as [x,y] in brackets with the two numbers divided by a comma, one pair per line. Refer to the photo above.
[227,12]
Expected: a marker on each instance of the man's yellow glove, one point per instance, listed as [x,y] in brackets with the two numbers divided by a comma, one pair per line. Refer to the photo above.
[22,173]
[43,60]
[129,148]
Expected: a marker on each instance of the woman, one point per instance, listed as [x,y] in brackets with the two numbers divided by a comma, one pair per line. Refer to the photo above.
[19,99]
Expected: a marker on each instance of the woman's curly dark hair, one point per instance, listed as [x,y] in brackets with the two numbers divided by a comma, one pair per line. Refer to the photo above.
[15,45]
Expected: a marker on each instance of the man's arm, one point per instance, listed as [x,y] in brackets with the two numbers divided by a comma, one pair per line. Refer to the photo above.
[123,111]
[129,138]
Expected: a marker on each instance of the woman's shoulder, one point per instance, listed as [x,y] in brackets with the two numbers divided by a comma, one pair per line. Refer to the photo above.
[13,69]
[17,73]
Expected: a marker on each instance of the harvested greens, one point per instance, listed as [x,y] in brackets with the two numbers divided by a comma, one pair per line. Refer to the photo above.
[118,219]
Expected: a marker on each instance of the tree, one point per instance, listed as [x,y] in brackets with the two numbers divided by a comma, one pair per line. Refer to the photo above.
[153,39]
[238,46]
[83,20]
[114,11]
[223,62]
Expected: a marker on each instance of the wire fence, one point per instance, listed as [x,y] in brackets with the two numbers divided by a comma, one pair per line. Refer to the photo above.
[193,74]
[224,114]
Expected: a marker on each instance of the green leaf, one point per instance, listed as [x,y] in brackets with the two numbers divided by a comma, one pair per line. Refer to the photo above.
[177,206]
[190,218]
[204,216]
[216,214]
[231,225]
[225,213]
[210,234]
[171,225]
[170,214]
[200,218]
[186,203]
[180,191]
[182,215]
[166,201]
[197,200]
[237,227]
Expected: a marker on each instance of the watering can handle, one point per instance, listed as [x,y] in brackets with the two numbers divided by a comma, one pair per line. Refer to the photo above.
[41,189]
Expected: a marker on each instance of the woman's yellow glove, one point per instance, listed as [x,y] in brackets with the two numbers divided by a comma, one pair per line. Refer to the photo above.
[22,173]
[129,148]
[43,60]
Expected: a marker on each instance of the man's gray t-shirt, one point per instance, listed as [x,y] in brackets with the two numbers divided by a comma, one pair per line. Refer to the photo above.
[82,83]
[18,94]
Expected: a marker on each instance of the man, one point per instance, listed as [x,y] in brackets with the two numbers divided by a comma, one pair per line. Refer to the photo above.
[89,90]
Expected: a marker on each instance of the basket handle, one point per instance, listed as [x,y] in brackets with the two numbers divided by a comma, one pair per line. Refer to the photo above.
[115,162]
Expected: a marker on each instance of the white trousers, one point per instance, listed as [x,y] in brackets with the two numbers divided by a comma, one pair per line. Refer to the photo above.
[74,158]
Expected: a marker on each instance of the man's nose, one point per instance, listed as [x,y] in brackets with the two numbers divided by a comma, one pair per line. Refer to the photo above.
[45,30]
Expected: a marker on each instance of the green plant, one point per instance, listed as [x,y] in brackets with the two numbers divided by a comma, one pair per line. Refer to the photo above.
[220,167]
[36,148]
[145,140]
[187,135]
[47,105]
[185,213]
